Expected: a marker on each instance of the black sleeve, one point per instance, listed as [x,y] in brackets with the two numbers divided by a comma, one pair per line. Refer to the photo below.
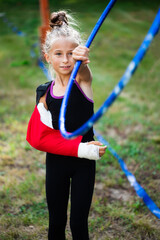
[41,90]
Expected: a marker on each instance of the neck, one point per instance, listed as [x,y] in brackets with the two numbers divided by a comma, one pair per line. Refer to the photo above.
[62,80]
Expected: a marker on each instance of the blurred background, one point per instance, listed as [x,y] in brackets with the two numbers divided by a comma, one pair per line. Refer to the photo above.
[132,124]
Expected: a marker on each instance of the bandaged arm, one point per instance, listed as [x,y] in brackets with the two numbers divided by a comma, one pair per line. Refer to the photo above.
[42,136]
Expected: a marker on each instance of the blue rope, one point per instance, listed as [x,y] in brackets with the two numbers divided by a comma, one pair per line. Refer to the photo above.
[32,51]
[131,178]
[118,88]
[44,69]
[12,26]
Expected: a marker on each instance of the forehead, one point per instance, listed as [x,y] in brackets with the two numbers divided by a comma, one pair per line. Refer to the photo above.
[64,44]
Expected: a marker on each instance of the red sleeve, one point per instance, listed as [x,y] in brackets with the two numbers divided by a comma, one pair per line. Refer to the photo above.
[46,139]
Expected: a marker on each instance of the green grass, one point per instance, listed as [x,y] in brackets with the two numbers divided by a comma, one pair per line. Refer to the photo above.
[131,125]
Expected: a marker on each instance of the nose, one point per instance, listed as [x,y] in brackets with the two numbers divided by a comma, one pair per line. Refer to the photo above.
[65,58]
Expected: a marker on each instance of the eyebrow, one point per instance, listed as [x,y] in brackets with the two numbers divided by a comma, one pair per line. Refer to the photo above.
[58,50]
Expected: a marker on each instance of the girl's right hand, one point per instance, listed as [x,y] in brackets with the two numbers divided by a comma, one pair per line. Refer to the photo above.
[102,148]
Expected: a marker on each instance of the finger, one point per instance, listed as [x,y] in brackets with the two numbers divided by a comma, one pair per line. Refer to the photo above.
[101,153]
[102,150]
[81,58]
[83,54]
[80,52]
[86,62]
[78,55]
[95,143]
[103,147]
[82,48]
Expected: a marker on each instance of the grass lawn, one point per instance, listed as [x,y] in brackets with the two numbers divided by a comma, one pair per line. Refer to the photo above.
[131,125]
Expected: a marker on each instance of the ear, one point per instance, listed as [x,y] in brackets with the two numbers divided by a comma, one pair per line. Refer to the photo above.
[47,57]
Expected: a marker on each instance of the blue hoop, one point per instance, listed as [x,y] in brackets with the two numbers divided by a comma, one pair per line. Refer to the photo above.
[118,88]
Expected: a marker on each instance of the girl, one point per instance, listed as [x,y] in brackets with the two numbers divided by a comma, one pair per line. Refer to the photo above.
[62,48]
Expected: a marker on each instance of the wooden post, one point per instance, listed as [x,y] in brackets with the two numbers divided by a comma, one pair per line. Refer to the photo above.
[44,12]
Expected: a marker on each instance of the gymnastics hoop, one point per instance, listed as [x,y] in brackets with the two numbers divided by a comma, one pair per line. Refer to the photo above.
[118,88]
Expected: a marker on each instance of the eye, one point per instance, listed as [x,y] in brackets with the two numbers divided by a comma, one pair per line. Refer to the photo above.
[58,54]
[70,54]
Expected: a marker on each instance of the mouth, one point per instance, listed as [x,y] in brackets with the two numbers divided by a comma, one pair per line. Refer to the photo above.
[65,67]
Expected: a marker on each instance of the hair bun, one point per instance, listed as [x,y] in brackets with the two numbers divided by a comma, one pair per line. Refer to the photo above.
[58,19]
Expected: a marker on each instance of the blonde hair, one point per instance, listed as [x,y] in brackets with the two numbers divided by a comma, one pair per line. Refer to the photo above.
[62,25]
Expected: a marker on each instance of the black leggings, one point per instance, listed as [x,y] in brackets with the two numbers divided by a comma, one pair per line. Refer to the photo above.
[61,173]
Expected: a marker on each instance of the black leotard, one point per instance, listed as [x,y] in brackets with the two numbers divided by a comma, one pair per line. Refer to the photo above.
[79,110]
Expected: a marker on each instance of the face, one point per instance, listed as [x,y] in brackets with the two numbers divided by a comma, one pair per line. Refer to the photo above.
[60,56]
